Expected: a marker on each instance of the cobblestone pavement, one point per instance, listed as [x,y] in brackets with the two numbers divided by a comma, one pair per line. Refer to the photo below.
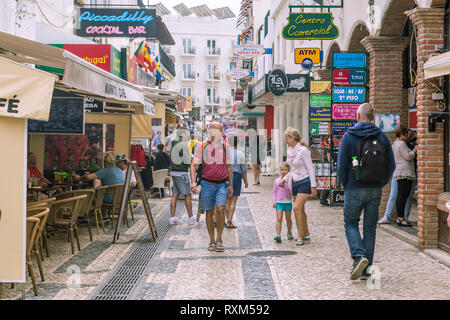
[253,266]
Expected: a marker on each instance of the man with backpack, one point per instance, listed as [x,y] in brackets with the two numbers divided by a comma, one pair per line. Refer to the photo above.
[216,181]
[365,164]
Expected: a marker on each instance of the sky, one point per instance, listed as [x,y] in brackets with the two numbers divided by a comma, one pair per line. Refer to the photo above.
[234,5]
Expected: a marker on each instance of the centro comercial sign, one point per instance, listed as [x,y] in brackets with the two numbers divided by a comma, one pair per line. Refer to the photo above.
[310,26]
[116,23]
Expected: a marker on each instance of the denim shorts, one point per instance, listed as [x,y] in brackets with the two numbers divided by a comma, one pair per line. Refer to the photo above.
[284,206]
[237,183]
[302,186]
[213,195]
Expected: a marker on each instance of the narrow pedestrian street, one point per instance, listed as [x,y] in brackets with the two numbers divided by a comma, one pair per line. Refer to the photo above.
[253,266]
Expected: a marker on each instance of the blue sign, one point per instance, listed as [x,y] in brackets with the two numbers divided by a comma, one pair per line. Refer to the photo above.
[349,60]
[340,127]
[307,64]
[349,94]
[357,77]
[319,114]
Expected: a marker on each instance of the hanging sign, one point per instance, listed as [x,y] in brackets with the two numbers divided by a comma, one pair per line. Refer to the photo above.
[298,83]
[316,100]
[310,26]
[412,98]
[349,60]
[238,73]
[340,127]
[319,128]
[239,96]
[352,77]
[345,111]
[319,114]
[105,22]
[321,87]
[314,54]
[277,82]
[248,50]
[349,94]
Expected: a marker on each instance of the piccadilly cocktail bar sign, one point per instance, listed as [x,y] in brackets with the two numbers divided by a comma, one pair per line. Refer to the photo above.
[131,23]
[310,26]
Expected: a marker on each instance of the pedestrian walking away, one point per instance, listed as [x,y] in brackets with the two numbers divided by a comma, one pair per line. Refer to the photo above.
[365,165]
[180,162]
[301,180]
[239,174]
[216,181]
[282,202]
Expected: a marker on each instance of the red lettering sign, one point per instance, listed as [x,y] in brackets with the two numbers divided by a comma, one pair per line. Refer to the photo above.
[341,77]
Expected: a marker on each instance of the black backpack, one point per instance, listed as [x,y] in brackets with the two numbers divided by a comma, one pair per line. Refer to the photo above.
[372,156]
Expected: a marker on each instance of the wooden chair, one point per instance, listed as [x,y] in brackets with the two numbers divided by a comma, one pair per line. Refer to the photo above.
[85,204]
[97,204]
[65,212]
[114,208]
[41,203]
[43,237]
[32,229]
[42,215]
[159,180]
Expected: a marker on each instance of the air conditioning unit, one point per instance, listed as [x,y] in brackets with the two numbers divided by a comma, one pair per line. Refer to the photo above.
[228,100]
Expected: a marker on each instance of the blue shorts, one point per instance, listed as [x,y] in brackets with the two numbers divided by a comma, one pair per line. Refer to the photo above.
[284,206]
[302,186]
[237,183]
[213,195]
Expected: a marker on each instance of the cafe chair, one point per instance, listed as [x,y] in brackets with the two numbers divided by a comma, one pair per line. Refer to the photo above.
[42,214]
[159,180]
[114,208]
[97,204]
[85,205]
[43,238]
[65,212]
[41,203]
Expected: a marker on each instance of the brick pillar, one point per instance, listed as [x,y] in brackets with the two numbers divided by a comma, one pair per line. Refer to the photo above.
[325,74]
[430,34]
[386,82]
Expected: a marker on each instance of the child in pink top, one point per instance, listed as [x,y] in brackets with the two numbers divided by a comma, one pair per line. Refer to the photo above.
[282,201]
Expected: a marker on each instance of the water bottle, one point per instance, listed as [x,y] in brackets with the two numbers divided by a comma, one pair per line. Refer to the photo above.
[355,165]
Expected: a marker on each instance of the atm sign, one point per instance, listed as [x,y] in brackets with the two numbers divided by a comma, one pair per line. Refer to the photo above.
[301,54]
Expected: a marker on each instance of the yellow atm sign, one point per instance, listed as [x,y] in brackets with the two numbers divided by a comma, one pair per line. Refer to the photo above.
[301,54]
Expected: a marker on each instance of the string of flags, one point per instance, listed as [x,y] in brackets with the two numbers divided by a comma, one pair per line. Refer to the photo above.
[150,63]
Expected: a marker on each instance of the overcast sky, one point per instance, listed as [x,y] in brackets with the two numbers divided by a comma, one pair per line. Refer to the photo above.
[234,5]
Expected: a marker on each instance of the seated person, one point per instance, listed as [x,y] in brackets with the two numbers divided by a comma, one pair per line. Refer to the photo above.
[109,175]
[122,164]
[33,172]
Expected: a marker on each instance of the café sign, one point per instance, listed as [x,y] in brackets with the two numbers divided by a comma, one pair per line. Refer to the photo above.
[248,50]
[310,26]
[105,22]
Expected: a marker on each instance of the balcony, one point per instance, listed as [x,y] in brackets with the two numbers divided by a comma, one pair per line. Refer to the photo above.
[213,52]
[212,100]
[189,51]
[167,62]
[216,77]
[189,76]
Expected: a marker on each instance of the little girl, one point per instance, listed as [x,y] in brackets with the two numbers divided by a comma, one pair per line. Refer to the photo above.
[282,201]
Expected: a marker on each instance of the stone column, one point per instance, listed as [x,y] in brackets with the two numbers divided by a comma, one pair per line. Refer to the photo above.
[430,38]
[386,82]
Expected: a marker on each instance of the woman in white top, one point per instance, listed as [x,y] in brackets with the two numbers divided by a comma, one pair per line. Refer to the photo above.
[301,179]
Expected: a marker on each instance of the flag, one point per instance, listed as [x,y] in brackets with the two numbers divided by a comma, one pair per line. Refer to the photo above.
[142,56]
[159,74]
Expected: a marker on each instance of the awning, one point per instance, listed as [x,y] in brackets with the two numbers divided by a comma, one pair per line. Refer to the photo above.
[142,126]
[25,92]
[438,65]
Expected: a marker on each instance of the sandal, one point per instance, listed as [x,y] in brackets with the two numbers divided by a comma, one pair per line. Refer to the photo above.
[289,236]
[219,248]
[212,246]
[299,243]
[277,239]
[403,223]
[231,226]
[307,238]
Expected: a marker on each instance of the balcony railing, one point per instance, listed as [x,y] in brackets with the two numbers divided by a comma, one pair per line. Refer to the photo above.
[210,100]
[166,62]
[213,51]
[189,50]
[210,76]
[189,76]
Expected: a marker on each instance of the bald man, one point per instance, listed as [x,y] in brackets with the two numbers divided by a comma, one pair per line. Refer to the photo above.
[216,183]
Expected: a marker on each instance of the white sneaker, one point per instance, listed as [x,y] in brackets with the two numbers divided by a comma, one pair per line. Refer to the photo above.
[383,220]
[198,224]
[175,220]
[192,220]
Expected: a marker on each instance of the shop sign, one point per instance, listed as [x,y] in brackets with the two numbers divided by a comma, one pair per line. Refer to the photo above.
[115,62]
[105,22]
[337,196]
[188,103]
[248,50]
[239,96]
[298,83]
[412,98]
[238,73]
[349,59]
[319,114]
[349,94]
[314,54]
[412,124]
[92,105]
[349,77]
[321,87]
[277,82]
[320,100]
[345,111]
[340,127]
[132,72]
[319,128]
[310,26]
[97,54]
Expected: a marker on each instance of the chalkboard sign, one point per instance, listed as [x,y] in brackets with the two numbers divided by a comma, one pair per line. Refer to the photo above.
[337,197]
[66,117]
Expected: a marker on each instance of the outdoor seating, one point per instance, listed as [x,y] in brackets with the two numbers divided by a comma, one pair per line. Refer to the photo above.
[65,213]
[159,180]
[97,204]
[43,237]
[40,203]
[42,214]
[114,208]
[85,205]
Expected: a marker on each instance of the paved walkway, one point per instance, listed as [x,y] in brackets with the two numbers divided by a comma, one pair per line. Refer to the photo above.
[253,266]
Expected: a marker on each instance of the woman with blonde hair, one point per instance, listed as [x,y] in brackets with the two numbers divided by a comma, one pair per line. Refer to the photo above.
[301,180]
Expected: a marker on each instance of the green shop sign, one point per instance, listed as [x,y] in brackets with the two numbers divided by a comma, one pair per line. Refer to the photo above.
[320,100]
[310,26]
